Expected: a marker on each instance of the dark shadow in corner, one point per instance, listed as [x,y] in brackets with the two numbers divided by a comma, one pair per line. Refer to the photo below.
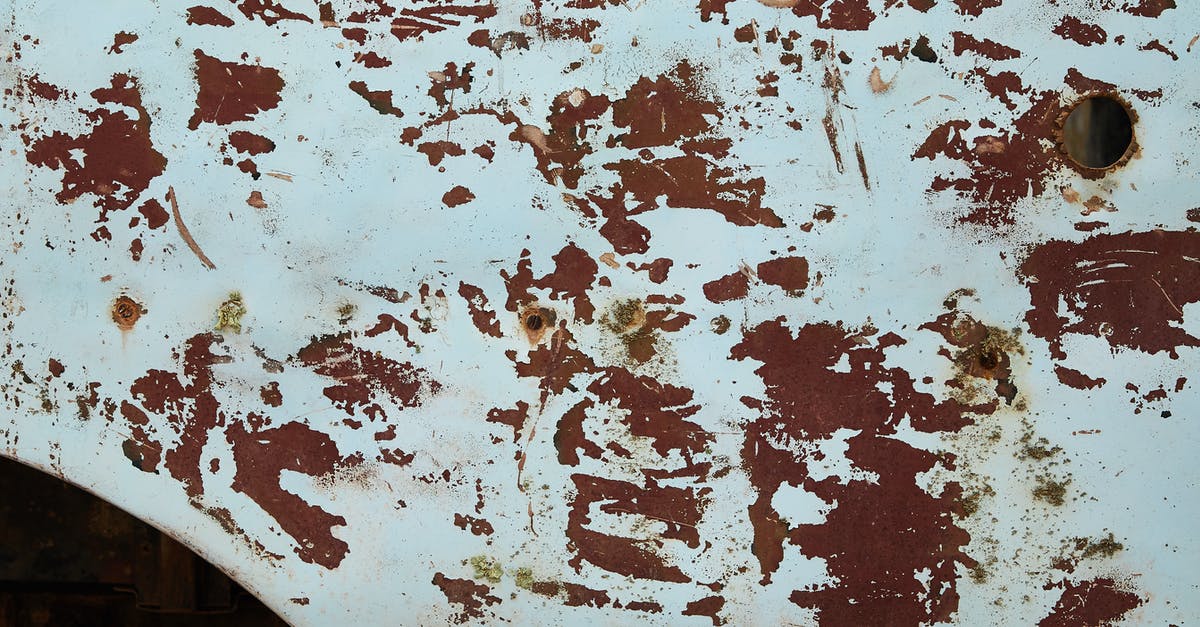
[71,559]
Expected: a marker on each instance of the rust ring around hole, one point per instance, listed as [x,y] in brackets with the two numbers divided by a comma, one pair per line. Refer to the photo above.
[536,321]
[1097,133]
[126,312]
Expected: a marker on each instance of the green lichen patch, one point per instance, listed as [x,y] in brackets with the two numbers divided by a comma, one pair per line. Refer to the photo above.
[229,314]
[524,578]
[345,312]
[486,568]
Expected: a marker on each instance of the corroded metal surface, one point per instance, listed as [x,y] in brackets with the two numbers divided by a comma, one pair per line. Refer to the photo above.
[779,312]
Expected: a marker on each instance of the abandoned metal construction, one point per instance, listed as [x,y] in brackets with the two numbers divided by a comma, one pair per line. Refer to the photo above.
[808,312]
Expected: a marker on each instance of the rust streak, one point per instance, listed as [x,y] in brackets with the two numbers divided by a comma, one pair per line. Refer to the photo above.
[1164,293]
[184,233]
[831,133]
[652,517]
[862,165]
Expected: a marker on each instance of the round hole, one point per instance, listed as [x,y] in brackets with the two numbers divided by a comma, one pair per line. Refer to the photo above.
[989,361]
[1098,132]
[125,312]
[533,322]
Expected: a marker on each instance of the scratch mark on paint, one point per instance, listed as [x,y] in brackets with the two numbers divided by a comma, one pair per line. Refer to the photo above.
[185,233]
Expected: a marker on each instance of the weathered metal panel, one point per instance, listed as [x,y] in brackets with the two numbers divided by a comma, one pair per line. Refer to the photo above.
[585,310]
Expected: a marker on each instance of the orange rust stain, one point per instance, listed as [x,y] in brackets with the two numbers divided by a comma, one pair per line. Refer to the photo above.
[878,85]
[256,200]
[535,321]
[126,312]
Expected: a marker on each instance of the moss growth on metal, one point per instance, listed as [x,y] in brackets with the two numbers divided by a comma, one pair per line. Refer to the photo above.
[969,502]
[1104,547]
[1051,491]
[625,316]
[229,314]
[1036,450]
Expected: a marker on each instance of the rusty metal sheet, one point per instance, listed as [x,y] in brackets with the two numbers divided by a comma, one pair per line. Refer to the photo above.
[798,312]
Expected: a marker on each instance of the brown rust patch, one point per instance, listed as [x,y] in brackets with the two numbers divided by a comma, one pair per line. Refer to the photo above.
[231,91]
[458,195]
[878,534]
[363,376]
[984,352]
[1128,288]
[729,287]
[514,418]
[1076,379]
[187,402]
[269,11]
[470,596]
[256,200]
[477,526]
[126,312]
[207,16]
[380,101]
[118,157]
[482,315]
[247,142]
[679,508]
[1082,33]
[120,40]
[262,456]
[848,15]
[789,273]
[964,42]
[708,606]
[1100,602]
[998,178]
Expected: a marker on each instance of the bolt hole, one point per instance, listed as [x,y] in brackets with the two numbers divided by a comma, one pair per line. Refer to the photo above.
[989,361]
[533,322]
[1098,132]
[125,312]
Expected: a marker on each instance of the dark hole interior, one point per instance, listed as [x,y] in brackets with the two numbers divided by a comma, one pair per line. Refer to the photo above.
[1097,132]
[533,322]
[988,361]
[70,559]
